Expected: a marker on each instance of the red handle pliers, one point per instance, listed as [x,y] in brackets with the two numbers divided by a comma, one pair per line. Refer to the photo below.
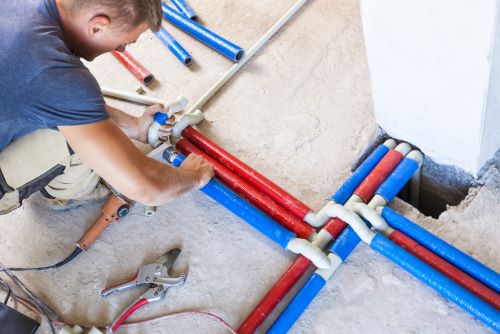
[156,276]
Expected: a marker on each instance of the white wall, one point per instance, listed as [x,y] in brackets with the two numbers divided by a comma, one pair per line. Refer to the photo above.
[430,65]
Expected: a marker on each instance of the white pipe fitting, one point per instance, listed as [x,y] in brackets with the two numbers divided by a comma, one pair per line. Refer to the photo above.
[335,262]
[310,251]
[356,223]
[390,143]
[371,215]
[321,239]
[319,219]
[403,148]
[188,119]
[377,201]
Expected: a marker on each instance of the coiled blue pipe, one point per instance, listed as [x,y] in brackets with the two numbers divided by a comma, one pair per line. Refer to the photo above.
[184,9]
[343,194]
[443,249]
[234,203]
[221,45]
[174,46]
[399,177]
[299,303]
[442,284]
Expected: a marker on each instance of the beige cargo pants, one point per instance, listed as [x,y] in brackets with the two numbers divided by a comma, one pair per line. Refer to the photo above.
[42,161]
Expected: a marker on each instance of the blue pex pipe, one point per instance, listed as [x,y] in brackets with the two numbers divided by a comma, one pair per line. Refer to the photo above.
[174,46]
[343,246]
[345,243]
[234,203]
[299,303]
[184,9]
[221,45]
[442,284]
[397,180]
[440,247]
[343,194]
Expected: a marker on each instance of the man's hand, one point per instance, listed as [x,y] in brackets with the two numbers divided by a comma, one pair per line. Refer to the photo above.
[201,167]
[145,121]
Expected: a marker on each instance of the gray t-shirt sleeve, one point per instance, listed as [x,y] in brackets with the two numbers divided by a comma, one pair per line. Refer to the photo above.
[65,96]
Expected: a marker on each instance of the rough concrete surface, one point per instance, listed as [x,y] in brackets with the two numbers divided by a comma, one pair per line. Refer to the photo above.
[300,113]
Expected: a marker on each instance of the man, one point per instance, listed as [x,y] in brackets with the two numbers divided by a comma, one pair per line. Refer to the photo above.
[57,134]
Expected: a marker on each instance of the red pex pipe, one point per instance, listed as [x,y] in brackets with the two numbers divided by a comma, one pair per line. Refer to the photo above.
[245,189]
[250,175]
[140,72]
[334,226]
[368,187]
[441,265]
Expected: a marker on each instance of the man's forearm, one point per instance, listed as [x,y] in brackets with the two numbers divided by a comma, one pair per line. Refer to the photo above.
[126,122]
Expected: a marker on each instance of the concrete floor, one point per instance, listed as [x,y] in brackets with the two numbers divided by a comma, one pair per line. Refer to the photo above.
[301,113]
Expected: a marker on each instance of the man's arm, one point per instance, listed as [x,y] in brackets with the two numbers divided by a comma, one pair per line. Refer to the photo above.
[107,150]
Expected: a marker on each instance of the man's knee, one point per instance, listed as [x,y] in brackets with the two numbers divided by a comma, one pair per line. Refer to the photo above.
[29,164]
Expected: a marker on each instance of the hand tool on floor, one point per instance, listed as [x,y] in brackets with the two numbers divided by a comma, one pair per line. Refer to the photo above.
[156,276]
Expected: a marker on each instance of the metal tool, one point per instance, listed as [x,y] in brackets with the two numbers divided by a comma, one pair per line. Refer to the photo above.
[156,276]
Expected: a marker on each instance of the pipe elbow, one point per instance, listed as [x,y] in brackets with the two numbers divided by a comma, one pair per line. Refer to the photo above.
[417,156]
[188,119]
[372,216]
[353,220]
[310,251]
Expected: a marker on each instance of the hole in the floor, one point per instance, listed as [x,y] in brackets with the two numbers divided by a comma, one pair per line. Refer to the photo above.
[441,186]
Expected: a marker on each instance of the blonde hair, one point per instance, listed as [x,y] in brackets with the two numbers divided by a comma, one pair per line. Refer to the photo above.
[130,13]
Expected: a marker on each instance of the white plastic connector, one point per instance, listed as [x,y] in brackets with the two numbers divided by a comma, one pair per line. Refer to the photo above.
[173,108]
[357,224]
[188,119]
[335,262]
[319,219]
[373,217]
[321,239]
[403,148]
[95,331]
[377,201]
[310,251]
[390,143]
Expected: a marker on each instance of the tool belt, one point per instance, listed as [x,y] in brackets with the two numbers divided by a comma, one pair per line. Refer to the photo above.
[42,161]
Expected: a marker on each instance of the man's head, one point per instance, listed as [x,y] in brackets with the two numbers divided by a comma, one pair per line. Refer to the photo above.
[94,27]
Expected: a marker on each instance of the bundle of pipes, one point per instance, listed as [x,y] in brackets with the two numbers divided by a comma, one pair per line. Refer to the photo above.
[439,268]
[201,33]
[372,174]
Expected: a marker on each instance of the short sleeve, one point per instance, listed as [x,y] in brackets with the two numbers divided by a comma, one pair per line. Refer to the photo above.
[65,96]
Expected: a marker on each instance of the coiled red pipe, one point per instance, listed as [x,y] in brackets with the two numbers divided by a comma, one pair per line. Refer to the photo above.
[265,185]
[441,265]
[245,189]
[140,72]
[334,227]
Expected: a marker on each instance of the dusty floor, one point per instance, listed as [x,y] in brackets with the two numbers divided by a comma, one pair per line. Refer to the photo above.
[301,113]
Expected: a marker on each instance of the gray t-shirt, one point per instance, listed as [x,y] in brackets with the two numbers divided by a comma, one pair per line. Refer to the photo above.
[42,85]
